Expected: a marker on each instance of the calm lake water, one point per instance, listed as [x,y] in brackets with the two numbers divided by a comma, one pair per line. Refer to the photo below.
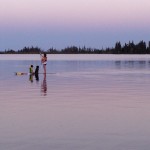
[85,102]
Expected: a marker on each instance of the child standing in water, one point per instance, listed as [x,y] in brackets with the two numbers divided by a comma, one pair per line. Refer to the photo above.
[44,62]
[31,70]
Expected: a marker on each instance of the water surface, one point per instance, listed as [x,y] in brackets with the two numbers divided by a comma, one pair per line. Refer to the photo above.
[85,102]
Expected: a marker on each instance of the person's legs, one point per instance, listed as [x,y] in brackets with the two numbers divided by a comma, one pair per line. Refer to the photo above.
[44,67]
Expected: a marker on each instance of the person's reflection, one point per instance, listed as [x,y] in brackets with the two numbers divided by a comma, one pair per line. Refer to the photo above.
[31,78]
[44,86]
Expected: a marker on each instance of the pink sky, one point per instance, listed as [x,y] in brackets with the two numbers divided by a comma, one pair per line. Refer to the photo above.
[74,15]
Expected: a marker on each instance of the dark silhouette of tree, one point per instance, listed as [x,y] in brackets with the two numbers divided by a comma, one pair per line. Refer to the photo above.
[141,48]
[70,50]
[118,48]
[52,51]
[127,48]
[29,50]
[10,51]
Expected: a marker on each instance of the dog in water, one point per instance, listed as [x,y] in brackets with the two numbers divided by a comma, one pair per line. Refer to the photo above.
[36,70]
[37,73]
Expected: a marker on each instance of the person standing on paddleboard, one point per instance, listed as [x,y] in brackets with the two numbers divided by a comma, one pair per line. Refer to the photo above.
[44,62]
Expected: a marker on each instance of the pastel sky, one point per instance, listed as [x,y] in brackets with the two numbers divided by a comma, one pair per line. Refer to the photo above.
[62,23]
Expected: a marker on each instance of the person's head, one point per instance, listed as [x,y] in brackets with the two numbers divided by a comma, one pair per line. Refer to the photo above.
[31,66]
[37,67]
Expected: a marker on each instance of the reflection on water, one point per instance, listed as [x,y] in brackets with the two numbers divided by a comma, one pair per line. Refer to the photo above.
[43,82]
[31,77]
[133,64]
[85,105]
[44,86]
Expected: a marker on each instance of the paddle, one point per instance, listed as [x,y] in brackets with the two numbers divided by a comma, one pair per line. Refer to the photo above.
[41,58]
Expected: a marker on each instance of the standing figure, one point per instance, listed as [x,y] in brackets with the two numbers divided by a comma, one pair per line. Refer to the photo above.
[36,73]
[36,70]
[44,62]
[31,69]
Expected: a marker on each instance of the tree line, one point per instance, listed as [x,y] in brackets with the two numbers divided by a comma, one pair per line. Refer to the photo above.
[127,48]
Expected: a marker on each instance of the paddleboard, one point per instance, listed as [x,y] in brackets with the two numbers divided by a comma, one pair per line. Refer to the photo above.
[23,73]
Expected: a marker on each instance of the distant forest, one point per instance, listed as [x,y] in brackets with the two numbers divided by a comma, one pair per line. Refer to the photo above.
[127,48]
